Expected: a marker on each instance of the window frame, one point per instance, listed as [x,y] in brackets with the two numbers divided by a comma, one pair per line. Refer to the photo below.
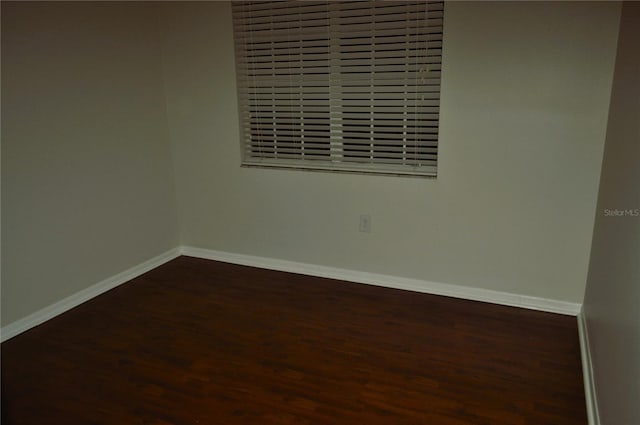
[304,140]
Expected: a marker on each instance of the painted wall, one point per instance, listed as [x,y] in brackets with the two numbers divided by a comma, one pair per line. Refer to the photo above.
[525,98]
[87,179]
[613,287]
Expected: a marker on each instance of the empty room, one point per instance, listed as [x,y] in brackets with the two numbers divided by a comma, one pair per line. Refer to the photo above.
[334,212]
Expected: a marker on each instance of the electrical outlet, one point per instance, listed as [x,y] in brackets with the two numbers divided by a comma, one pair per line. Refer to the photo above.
[365,223]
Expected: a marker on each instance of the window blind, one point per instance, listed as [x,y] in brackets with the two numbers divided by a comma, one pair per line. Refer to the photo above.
[340,85]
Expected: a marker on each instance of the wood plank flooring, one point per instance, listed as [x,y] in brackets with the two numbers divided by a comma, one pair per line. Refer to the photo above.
[203,342]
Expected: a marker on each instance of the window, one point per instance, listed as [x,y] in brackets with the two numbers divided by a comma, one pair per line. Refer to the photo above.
[340,85]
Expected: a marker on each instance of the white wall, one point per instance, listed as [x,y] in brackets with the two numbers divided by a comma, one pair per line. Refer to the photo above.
[613,289]
[87,179]
[525,96]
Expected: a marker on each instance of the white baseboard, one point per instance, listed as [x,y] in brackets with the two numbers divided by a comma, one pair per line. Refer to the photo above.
[416,285]
[587,372]
[49,312]
[456,291]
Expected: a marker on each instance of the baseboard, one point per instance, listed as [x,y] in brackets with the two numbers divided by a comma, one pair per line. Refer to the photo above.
[587,372]
[416,285]
[456,291]
[49,312]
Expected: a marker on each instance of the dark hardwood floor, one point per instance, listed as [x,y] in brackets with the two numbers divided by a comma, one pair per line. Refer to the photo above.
[203,342]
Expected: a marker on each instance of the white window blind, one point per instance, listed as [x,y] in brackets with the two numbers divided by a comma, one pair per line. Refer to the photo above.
[340,85]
